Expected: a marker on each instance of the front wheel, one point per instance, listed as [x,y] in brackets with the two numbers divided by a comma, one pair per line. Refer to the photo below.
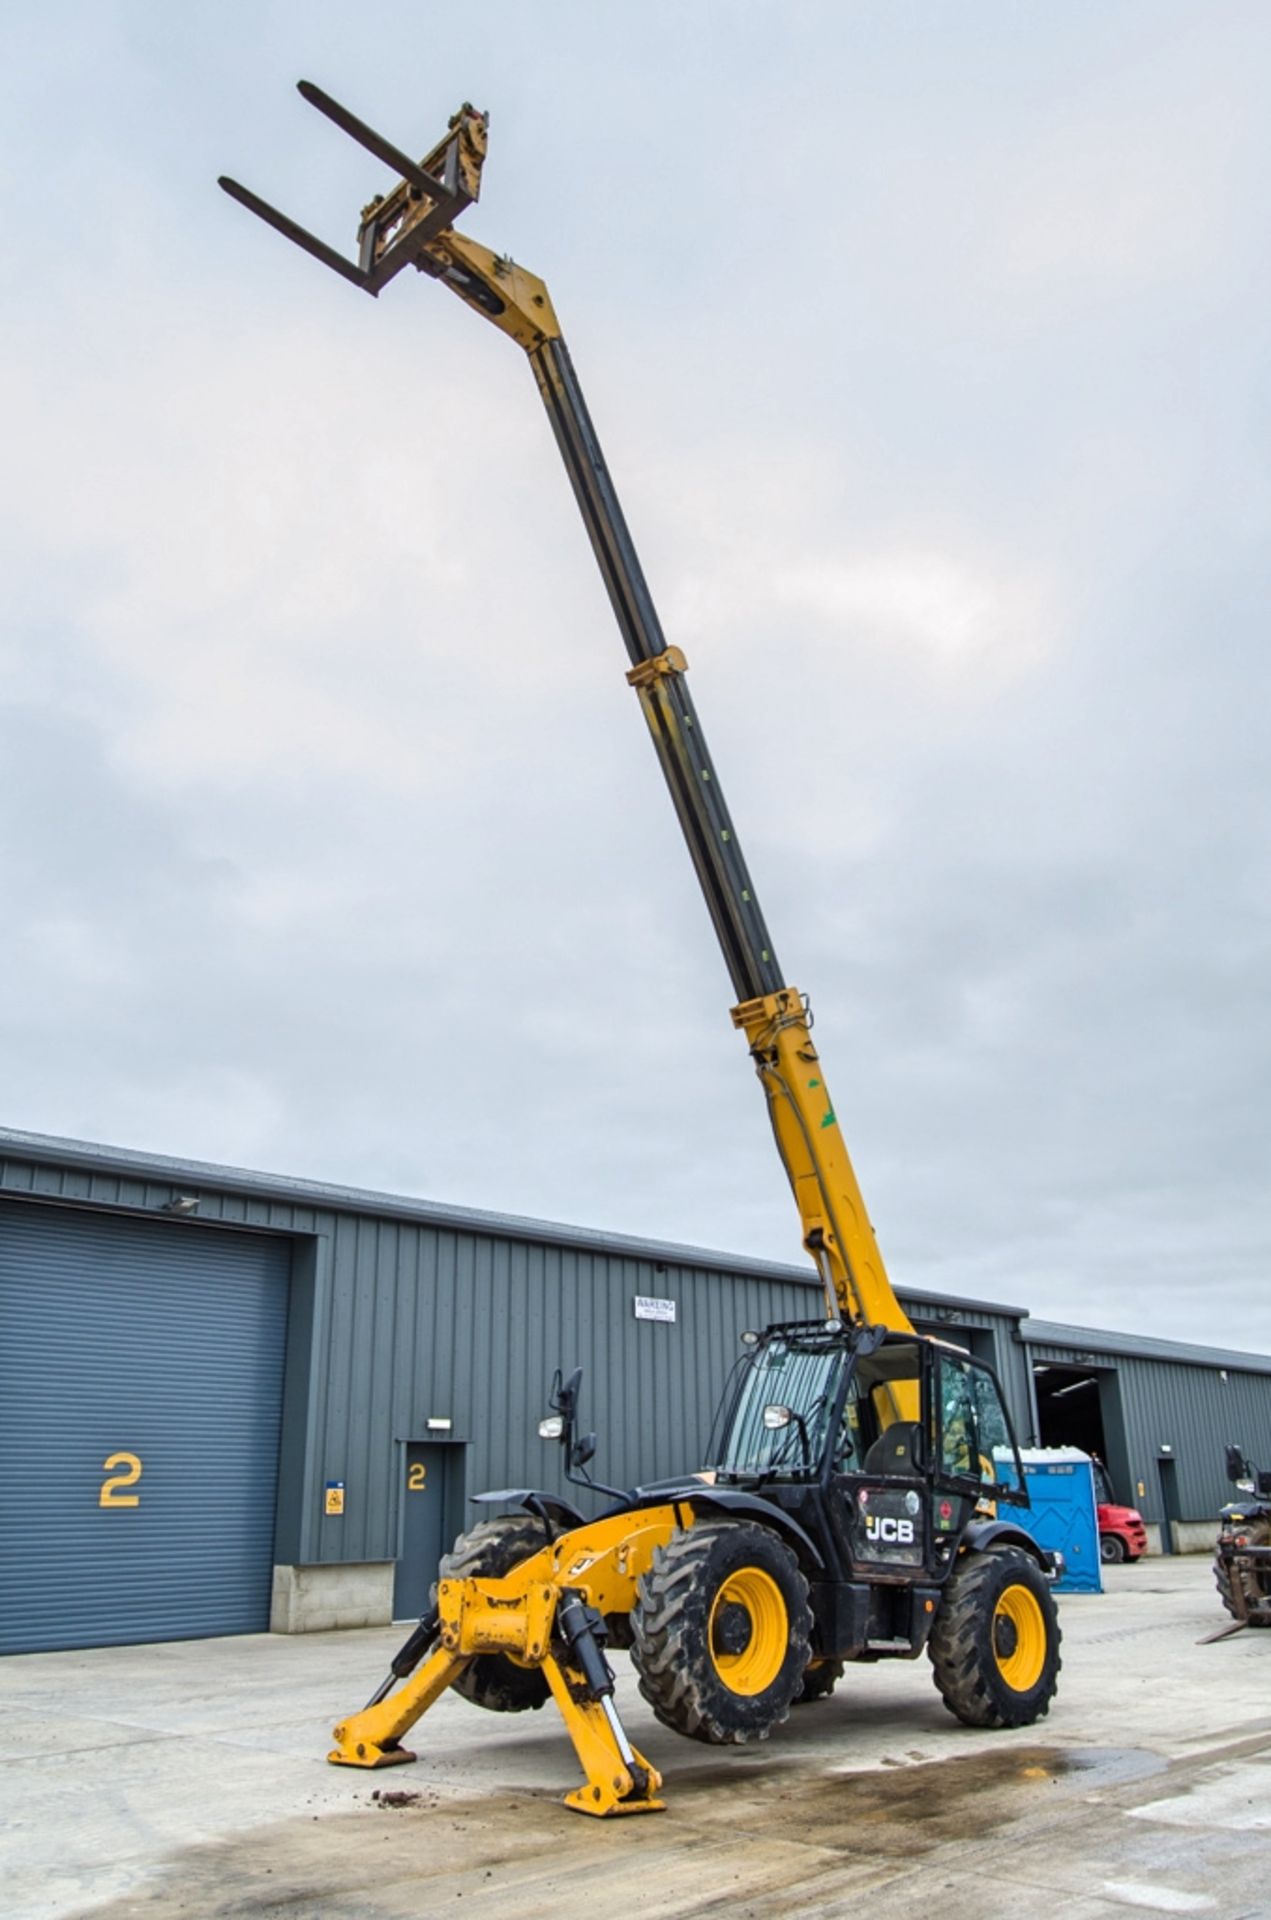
[995,1642]
[1111,1549]
[721,1632]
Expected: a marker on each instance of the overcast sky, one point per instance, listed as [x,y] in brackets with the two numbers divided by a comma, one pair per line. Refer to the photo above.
[928,345]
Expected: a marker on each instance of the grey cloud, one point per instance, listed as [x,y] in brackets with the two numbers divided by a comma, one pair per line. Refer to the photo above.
[931,367]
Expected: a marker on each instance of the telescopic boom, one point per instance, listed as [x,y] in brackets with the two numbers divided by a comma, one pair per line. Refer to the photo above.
[412,225]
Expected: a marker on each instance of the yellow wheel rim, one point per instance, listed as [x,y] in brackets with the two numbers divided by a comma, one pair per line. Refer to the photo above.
[748,1631]
[1019,1638]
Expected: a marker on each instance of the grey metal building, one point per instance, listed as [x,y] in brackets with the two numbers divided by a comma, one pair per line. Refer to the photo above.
[1159,1413]
[230,1401]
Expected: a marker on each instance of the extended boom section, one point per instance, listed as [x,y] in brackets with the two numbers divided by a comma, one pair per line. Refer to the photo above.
[411,225]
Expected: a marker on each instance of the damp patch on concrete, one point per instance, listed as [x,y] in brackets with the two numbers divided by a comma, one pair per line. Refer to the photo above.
[779,1837]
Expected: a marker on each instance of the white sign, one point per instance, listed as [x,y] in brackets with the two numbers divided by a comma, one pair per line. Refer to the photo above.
[647,1308]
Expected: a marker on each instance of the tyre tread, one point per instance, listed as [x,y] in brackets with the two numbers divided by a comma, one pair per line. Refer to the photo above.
[669,1651]
[959,1645]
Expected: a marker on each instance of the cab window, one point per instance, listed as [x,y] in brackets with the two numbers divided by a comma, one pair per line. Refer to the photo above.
[999,1461]
[973,1435]
[956,1443]
[879,1431]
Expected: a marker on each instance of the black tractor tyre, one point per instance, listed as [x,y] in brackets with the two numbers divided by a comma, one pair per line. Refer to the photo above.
[1222,1580]
[995,1642]
[721,1632]
[819,1681]
[1111,1549]
[1256,1589]
[487,1551]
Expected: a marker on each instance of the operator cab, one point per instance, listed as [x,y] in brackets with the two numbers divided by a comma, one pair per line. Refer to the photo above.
[883,1445]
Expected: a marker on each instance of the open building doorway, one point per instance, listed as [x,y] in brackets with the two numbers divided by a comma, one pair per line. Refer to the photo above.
[1068,1408]
[1081,1407]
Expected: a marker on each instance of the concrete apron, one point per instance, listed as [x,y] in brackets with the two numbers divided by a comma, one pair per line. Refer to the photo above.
[188,1778]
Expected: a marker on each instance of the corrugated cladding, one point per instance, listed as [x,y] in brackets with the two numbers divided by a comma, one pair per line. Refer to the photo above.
[427,1323]
[1194,1408]
[402,1310]
[396,1320]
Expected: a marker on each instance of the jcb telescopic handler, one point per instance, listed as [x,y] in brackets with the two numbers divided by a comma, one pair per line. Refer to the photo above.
[853,1509]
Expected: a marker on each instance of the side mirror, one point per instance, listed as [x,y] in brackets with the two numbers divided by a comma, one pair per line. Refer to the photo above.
[584,1451]
[564,1398]
[1236,1468]
[563,1401]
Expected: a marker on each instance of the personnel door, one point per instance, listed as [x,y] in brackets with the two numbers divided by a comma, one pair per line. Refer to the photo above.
[1171,1511]
[423,1541]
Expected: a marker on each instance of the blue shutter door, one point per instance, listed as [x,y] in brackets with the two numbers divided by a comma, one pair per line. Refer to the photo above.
[158,1347]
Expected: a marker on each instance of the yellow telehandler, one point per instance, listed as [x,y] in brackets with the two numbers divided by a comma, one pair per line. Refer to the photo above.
[853,1510]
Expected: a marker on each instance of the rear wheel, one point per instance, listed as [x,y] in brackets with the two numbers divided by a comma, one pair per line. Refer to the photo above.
[494,1680]
[995,1642]
[721,1632]
[1111,1549]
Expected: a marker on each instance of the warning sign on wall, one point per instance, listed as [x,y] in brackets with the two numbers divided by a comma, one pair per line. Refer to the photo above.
[647,1307]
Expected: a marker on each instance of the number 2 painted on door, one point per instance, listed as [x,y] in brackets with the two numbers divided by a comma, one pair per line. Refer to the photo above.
[112,1494]
[417,1476]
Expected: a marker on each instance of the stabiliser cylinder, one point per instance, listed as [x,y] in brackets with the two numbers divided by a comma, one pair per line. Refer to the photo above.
[583,1629]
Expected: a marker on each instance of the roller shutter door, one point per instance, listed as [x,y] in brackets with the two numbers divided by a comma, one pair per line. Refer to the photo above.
[140,1406]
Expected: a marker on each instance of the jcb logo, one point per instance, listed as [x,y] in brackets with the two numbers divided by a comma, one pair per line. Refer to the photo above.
[894,1533]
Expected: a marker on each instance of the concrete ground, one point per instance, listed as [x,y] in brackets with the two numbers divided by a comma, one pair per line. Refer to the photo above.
[188,1779]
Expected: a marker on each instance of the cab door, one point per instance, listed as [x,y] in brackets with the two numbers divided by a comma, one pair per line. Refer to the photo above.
[975,1463]
[883,1508]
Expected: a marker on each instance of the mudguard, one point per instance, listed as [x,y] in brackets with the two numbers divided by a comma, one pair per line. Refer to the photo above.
[1000,1533]
[535,1501]
[699,1493]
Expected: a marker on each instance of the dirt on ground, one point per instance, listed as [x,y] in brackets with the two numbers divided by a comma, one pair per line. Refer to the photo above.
[775,1839]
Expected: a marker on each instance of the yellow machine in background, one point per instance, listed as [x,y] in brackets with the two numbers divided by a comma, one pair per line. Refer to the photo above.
[852,1511]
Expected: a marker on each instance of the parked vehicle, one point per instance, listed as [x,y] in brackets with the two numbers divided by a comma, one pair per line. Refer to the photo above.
[1242,1558]
[1122,1534]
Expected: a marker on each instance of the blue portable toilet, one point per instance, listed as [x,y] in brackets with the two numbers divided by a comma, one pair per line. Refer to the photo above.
[1062,1517]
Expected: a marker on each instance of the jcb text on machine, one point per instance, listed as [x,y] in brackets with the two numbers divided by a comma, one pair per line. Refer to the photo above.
[857,1507]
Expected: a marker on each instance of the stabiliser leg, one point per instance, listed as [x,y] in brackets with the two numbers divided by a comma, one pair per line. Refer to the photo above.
[541,1625]
[619,1780]
[370,1738]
